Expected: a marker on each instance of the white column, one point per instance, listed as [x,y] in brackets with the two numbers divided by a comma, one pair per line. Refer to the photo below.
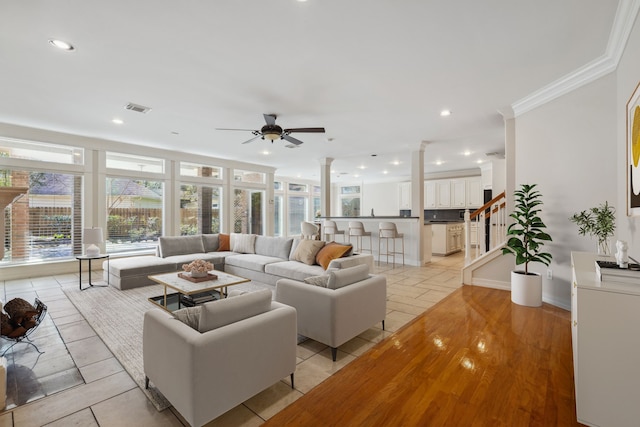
[270,210]
[325,186]
[417,202]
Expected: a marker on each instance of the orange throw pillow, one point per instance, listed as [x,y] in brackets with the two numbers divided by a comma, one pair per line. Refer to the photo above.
[331,251]
[225,242]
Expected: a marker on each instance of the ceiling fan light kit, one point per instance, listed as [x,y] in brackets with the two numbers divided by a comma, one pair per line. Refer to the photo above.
[272,131]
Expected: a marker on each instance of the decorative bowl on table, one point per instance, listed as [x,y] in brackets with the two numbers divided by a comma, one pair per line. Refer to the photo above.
[198,268]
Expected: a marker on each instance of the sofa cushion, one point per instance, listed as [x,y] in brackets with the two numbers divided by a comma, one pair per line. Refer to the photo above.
[318,280]
[293,270]
[331,251]
[279,247]
[307,250]
[223,312]
[140,265]
[211,242]
[347,276]
[180,245]
[243,243]
[225,242]
[250,261]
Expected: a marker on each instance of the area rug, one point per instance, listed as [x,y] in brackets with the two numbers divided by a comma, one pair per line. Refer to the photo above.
[117,317]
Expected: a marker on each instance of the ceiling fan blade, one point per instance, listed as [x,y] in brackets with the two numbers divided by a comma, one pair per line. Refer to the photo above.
[307,130]
[291,139]
[248,130]
[249,140]
[270,119]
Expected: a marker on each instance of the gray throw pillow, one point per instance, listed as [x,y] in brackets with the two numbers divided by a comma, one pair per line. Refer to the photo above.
[190,316]
[321,281]
[307,250]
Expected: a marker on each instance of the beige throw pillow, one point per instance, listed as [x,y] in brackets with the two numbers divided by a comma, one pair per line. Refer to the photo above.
[243,243]
[318,280]
[307,250]
[189,316]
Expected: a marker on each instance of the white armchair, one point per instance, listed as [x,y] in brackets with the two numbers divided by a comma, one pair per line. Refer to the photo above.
[204,375]
[334,316]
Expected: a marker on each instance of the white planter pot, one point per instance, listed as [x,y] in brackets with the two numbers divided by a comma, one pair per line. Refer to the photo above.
[526,289]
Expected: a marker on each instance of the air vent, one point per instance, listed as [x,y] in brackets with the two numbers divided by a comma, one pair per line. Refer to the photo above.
[291,146]
[137,108]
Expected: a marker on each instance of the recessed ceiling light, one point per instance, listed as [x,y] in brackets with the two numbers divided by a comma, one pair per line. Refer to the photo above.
[117,121]
[61,44]
[395,163]
[438,162]
[362,167]
[445,113]
[479,162]
[266,152]
[385,172]
[333,171]
[467,153]
[356,176]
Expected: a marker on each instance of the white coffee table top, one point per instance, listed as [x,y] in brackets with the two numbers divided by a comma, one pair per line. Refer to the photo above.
[186,287]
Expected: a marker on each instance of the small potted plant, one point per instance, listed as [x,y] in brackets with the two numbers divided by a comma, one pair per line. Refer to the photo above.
[526,237]
[600,222]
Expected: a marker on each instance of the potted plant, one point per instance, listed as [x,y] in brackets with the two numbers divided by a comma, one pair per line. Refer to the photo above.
[600,222]
[526,237]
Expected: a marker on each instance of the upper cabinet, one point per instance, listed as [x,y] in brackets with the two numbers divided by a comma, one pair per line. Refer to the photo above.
[475,192]
[405,195]
[458,193]
[429,195]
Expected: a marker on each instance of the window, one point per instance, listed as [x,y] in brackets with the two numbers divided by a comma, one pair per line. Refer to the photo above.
[316,208]
[30,150]
[350,200]
[298,212]
[43,219]
[247,211]
[134,214]
[199,209]
[278,216]
[298,188]
[198,170]
[132,162]
[249,176]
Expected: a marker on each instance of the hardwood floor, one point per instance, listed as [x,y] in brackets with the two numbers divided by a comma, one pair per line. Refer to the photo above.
[474,359]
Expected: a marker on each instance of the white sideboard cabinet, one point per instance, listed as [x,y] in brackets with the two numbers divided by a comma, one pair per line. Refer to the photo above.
[605,322]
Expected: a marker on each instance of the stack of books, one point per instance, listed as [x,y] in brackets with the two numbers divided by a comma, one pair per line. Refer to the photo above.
[195,299]
[609,271]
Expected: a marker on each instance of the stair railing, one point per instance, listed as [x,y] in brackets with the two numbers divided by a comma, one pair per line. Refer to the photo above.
[476,227]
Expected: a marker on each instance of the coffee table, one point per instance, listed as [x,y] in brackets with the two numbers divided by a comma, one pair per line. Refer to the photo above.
[208,290]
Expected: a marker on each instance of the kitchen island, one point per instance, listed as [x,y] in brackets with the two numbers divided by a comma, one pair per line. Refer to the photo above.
[448,237]
[417,236]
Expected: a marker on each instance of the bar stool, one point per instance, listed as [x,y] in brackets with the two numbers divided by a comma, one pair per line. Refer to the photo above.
[309,230]
[331,229]
[388,230]
[356,229]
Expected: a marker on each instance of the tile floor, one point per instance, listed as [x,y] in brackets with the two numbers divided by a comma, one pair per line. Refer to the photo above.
[77,381]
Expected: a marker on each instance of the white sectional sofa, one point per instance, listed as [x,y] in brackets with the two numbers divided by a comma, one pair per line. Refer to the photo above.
[261,258]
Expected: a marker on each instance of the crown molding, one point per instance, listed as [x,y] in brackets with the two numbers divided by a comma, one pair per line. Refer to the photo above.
[622,25]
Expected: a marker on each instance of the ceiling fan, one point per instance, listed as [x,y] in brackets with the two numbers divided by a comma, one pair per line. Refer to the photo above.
[272,131]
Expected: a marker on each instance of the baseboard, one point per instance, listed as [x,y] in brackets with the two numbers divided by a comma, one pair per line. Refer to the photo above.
[489,283]
[561,303]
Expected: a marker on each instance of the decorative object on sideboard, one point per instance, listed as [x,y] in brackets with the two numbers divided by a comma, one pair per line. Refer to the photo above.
[525,240]
[598,221]
[198,268]
[92,237]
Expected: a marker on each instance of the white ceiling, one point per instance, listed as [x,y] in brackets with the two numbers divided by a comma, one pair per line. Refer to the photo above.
[374,73]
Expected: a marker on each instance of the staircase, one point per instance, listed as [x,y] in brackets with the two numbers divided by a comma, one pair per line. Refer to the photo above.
[485,236]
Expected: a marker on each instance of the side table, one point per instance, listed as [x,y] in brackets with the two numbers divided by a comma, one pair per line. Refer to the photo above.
[81,258]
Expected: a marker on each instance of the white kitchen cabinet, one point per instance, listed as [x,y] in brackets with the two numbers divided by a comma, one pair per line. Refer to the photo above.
[429,195]
[475,193]
[447,238]
[459,193]
[605,318]
[443,193]
[404,195]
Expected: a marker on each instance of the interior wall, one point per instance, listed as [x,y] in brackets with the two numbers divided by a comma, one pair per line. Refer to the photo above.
[382,197]
[569,148]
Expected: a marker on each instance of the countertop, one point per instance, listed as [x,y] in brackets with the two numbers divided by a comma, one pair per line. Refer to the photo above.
[444,221]
[355,218]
